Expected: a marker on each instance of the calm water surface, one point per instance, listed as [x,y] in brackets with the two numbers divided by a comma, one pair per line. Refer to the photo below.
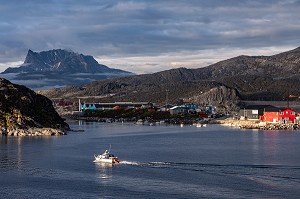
[157,162]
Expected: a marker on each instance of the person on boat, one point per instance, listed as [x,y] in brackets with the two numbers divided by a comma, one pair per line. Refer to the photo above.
[105,154]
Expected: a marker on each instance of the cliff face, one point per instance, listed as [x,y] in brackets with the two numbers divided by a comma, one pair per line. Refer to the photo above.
[22,108]
[223,97]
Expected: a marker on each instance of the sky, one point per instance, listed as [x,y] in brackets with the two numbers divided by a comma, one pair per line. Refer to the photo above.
[147,36]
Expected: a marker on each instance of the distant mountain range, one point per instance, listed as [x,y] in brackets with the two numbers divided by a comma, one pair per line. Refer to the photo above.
[59,68]
[223,84]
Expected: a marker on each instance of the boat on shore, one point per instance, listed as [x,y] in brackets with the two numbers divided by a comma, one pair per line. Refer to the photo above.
[106,157]
[198,125]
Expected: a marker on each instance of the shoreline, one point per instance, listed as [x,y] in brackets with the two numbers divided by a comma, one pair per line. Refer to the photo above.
[228,121]
[241,124]
[254,124]
[32,131]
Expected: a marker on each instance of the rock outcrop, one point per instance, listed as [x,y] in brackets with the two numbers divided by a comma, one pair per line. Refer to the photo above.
[24,112]
[223,97]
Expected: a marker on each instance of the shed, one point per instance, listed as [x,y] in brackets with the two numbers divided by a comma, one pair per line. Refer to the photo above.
[252,112]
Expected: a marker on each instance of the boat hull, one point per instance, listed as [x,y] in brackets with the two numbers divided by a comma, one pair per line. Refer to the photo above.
[107,160]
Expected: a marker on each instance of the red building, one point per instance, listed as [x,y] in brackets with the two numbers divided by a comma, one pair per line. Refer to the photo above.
[287,115]
[271,114]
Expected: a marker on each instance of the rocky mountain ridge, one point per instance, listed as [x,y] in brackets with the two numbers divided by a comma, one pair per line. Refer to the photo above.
[249,77]
[57,68]
[63,61]
[282,65]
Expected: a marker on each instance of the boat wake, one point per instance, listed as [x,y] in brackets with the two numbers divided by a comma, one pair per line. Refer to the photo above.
[208,167]
[221,169]
[257,173]
[147,164]
[129,163]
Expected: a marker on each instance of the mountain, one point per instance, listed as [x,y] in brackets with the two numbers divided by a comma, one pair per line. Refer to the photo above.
[224,83]
[56,68]
[22,109]
[283,65]
[259,77]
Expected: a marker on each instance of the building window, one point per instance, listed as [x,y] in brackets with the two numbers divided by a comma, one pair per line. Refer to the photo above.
[255,112]
[292,113]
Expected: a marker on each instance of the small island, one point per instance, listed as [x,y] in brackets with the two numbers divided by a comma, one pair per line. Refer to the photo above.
[26,113]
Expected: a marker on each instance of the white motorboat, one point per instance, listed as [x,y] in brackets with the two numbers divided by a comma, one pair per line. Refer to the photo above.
[106,157]
[199,125]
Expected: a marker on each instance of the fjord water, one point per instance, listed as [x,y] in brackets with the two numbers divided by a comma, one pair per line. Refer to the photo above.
[157,162]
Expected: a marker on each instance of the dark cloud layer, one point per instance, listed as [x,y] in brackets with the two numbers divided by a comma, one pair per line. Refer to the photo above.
[113,30]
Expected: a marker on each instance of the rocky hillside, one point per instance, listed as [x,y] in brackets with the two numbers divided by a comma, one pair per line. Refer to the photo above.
[244,77]
[58,67]
[259,77]
[283,65]
[22,108]
[160,88]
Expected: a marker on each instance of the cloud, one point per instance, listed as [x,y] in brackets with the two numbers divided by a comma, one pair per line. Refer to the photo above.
[157,31]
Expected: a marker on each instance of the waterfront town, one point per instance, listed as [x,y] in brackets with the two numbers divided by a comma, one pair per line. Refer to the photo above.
[253,116]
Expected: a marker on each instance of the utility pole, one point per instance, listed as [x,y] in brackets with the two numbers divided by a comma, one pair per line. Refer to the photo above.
[79,105]
[288,99]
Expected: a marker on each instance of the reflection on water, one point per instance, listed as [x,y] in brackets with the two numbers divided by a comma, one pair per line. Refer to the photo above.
[104,165]
[104,172]
[271,146]
[11,153]
[13,149]
[255,145]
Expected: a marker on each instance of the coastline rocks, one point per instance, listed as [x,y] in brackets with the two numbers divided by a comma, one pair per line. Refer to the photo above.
[246,124]
[271,126]
[33,132]
[281,127]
